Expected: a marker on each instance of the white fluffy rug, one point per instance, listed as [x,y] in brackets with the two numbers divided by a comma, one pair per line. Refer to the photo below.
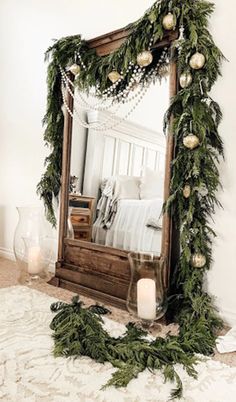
[29,372]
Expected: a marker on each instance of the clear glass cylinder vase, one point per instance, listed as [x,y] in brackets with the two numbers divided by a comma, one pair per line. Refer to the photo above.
[33,245]
[146,298]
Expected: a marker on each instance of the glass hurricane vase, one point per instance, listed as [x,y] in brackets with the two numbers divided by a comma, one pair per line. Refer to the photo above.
[33,245]
[146,298]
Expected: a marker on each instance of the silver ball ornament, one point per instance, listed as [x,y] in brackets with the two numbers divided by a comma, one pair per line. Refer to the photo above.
[185,80]
[197,61]
[75,69]
[198,260]
[169,22]
[191,141]
[144,58]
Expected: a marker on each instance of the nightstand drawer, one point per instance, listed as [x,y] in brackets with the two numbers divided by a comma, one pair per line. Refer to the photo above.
[82,234]
[80,219]
[76,201]
[81,216]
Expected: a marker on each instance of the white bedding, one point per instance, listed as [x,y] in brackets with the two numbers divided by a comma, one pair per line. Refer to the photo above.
[129,230]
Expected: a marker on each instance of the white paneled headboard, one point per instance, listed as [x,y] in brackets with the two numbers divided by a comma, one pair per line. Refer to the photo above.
[123,150]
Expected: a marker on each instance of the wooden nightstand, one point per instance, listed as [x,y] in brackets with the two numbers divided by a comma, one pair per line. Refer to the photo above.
[82,216]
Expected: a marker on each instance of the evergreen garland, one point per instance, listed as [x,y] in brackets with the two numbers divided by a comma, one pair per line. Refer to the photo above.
[78,331]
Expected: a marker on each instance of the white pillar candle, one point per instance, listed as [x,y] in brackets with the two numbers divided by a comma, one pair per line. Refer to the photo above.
[146,299]
[34,260]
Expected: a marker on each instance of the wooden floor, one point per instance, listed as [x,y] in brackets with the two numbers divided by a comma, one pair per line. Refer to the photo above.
[8,277]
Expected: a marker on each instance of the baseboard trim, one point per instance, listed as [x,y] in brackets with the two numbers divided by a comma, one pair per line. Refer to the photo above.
[9,255]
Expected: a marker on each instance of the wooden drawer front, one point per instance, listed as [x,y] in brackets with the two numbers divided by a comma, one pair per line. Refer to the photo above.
[79,204]
[83,234]
[81,219]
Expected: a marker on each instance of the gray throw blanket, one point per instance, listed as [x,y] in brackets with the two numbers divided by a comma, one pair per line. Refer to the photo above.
[107,205]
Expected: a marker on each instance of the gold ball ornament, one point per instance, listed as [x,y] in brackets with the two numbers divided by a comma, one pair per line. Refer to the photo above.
[197,61]
[191,141]
[75,69]
[114,76]
[185,80]
[198,260]
[186,191]
[168,22]
[144,58]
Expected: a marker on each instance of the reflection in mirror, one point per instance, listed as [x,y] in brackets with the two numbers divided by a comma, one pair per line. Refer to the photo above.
[117,175]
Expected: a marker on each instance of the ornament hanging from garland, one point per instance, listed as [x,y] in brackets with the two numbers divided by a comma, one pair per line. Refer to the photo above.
[187,191]
[75,69]
[191,141]
[144,58]
[114,76]
[169,22]
[185,80]
[198,260]
[197,61]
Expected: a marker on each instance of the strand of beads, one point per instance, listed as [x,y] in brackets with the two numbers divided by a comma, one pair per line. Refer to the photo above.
[81,61]
[122,96]
[66,83]
[109,123]
[102,126]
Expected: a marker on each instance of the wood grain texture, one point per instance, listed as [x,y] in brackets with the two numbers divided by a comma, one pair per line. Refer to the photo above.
[167,222]
[108,43]
[93,270]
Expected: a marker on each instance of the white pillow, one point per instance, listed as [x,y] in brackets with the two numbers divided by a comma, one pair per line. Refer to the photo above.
[152,184]
[127,187]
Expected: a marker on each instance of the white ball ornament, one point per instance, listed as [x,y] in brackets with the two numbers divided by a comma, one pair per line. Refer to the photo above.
[75,69]
[197,61]
[191,141]
[198,260]
[144,58]
[185,80]
[114,76]
[168,22]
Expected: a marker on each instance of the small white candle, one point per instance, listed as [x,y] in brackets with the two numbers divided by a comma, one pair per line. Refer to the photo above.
[34,260]
[146,299]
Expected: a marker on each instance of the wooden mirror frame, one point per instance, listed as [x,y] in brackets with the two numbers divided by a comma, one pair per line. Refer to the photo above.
[93,270]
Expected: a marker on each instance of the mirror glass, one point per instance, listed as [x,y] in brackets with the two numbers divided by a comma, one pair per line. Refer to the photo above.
[117,172]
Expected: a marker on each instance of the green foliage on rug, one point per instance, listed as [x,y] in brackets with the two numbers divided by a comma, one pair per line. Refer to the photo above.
[195,118]
[79,332]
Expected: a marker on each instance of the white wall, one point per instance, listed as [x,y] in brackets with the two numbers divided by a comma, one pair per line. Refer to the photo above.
[26,30]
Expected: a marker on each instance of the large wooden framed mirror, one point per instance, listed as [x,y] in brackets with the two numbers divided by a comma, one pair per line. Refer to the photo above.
[123,173]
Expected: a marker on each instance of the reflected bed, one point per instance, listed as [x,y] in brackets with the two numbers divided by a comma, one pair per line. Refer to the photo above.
[133,227]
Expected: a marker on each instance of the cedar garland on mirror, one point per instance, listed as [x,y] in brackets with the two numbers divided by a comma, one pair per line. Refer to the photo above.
[195,176]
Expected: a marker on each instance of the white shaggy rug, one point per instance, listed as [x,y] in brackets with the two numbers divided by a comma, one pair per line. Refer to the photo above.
[29,372]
